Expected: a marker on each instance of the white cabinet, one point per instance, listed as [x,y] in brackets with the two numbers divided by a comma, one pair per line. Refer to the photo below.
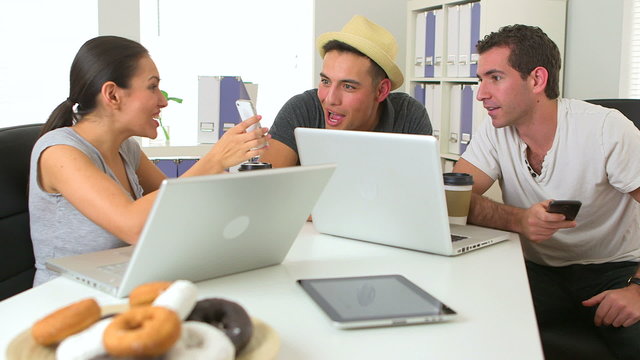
[441,61]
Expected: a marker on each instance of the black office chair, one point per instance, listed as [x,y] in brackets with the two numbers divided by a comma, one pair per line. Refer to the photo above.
[568,342]
[628,107]
[16,251]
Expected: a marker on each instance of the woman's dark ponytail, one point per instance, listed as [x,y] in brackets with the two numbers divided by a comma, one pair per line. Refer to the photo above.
[61,116]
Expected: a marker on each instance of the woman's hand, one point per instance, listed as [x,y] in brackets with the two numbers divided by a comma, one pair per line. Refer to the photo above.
[237,145]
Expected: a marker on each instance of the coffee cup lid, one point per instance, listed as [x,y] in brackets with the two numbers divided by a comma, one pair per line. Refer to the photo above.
[457,179]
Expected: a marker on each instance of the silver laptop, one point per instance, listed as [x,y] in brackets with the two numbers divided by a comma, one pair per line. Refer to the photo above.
[387,189]
[208,226]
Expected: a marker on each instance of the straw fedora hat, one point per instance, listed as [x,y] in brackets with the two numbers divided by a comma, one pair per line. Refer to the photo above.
[370,39]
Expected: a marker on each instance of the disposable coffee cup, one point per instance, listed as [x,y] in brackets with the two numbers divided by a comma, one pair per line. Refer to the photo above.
[248,166]
[457,189]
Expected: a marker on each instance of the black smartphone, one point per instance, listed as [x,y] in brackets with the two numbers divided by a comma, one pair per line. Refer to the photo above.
[569,208]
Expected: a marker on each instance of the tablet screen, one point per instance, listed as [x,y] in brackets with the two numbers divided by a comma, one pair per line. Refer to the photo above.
[375,301]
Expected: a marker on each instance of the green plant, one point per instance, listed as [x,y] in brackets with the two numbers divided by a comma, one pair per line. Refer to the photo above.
[169,98]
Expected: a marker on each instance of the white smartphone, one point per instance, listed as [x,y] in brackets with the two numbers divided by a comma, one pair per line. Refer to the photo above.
[246,109]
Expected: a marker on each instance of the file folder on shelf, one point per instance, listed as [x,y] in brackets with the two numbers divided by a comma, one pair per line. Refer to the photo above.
[433,101]
[479,112]
[430,44]
[453,28]
[168,166]
[185,164]
[466,117]
[455,101]
[438,51]
[217,112]
[464,39]
[421,33]
[418,92]
[475,37]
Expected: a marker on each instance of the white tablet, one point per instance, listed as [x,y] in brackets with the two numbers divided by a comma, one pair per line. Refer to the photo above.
[370,301]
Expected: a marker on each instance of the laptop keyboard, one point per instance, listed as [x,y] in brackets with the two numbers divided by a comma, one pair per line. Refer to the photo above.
[115,269]
[455,238]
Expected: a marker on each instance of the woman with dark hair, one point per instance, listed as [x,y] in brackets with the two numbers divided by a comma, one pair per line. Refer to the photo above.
[91,186]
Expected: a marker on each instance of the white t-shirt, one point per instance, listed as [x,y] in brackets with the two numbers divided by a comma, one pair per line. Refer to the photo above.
[595,158]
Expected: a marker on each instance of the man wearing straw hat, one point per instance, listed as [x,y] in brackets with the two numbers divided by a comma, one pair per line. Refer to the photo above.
[358,75]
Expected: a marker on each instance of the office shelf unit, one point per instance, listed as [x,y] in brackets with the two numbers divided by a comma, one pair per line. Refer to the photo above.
[449,72]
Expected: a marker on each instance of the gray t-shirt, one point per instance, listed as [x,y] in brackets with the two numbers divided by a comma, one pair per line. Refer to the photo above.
[400,114]
[57,227]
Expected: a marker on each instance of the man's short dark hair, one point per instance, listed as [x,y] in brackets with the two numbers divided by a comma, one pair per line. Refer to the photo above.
[530,47]
[377,73]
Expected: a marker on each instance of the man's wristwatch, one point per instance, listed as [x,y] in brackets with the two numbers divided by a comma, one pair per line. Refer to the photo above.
[633,280]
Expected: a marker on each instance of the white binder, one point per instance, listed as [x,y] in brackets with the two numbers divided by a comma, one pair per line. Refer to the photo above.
[208,109]
[479,112]
[453,28]
[433,97]
[464,41]
[438,62]
[421,30]
[216,104]
[454,119]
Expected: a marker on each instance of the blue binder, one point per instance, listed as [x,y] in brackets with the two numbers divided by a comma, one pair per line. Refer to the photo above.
[430,44]
[184,165]
[231,89]
[418,92]
[168,166]
[475,37]
[466,117]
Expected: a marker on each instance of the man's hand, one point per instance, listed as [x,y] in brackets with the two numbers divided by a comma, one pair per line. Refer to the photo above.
[538,225]
[619,307]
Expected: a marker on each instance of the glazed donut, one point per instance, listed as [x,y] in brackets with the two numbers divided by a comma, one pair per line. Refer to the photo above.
[66,321]
[146,293]
[226,316]
[200,341]
[180,297]
[142,331]
[84,345]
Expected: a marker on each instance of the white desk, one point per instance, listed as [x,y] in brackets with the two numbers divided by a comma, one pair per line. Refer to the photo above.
[197,151]
[488,288]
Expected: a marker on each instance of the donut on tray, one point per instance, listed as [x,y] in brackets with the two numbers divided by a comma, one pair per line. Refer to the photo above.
[65,321]
[227,316]
[142,331]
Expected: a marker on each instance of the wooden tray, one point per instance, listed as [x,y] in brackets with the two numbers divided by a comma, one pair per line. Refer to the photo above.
[264,344]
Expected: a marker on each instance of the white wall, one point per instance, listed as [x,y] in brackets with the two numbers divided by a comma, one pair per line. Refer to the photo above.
[593,49]
[40,38]
[120,18]
[38,46]
[253,39]
[332,15]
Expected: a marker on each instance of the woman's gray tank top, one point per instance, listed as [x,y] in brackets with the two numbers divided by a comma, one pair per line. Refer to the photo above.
[57,227]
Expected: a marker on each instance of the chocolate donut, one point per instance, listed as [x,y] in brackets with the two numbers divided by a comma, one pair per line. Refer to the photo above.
[227,316]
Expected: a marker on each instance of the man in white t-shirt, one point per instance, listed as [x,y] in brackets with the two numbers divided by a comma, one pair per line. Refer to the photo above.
[583,273]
